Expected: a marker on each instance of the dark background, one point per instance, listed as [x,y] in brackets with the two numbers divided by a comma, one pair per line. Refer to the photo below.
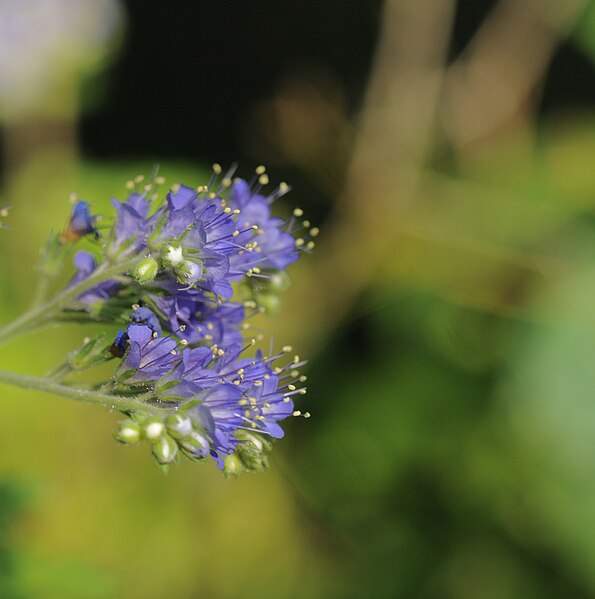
[189,71]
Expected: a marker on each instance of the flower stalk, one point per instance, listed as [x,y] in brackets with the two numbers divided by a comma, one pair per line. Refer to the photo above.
[113,402]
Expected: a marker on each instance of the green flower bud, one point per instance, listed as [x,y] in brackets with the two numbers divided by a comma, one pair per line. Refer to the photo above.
[187,267]
[178,426]
[252,451]
[172,255]
[195,446]
[232,465]
[165,449]
[146,270]
[128,432]
[153,428]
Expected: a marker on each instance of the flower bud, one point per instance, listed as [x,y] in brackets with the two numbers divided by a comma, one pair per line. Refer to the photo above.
[172,255]
[252,450]
[189,272]
[178,426]
[128,432]
[146,270]
[195,446]
[232,465]
[81,223]
[153,428]
[165,449]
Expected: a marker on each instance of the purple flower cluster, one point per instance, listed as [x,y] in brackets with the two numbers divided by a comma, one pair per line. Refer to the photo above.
[203,261]
[221,391]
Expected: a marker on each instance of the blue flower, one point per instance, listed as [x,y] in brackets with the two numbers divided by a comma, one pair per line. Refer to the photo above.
[198,250]
[149,356]
[142,315]
[193,315]
[85,264]
[132,225]
[81,223]
[266,243]
[239,394]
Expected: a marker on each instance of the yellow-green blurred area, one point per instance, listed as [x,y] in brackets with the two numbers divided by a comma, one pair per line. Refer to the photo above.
[447,150]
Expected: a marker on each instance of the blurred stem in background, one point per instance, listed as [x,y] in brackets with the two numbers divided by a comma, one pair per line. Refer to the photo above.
[418,107]
[391,148]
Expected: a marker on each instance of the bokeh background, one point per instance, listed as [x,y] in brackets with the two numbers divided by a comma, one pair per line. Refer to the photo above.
[447,150]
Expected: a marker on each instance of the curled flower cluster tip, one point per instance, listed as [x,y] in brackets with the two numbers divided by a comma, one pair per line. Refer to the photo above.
[180,271]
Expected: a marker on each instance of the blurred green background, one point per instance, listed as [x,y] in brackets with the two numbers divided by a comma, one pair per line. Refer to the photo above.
[447,150]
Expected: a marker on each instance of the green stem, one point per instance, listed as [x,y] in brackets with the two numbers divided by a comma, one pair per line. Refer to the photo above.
[116,402]
[39,316]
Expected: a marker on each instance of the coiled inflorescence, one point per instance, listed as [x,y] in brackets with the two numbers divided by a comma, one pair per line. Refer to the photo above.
[200,262]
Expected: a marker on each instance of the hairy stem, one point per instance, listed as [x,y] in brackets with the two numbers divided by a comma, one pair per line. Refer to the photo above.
[116,402]
[40,316]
